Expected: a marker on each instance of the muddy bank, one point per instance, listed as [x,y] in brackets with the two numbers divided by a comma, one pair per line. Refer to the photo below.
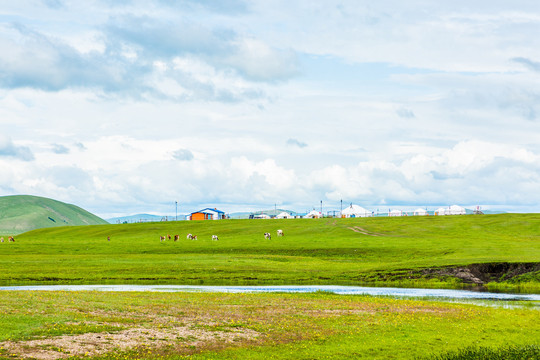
[480,274]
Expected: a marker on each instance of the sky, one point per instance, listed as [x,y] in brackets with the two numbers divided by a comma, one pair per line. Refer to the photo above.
[126,107]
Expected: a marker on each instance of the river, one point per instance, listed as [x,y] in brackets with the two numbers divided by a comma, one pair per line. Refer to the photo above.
[342,290]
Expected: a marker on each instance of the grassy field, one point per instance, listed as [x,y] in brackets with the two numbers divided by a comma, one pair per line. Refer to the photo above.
[131,325]
[376,251]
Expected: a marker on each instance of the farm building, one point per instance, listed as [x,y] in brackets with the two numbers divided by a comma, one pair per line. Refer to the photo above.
[440,211]
[207,214]
[355,211]
[260,216]
[420,212]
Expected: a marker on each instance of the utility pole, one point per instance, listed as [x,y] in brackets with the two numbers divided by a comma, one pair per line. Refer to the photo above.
[321,207]
[340,207]
[176,213]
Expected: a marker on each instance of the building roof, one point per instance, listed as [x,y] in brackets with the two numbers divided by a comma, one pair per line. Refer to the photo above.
[209,210]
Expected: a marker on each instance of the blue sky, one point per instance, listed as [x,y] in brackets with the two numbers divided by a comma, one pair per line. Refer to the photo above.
[124,107]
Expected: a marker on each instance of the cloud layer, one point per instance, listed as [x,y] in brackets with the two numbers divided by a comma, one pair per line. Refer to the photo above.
[124,107]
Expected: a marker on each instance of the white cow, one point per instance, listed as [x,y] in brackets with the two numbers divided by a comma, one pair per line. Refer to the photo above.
[280,232]
[189,237]
[267,236]
[215,238]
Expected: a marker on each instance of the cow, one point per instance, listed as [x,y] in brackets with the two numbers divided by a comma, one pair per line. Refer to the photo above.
[1,239]
[176,237]
[215,238]
[161,238]
[108,238]
[267,236]
[11,239]
[189,237]
[280,232]
[169,236]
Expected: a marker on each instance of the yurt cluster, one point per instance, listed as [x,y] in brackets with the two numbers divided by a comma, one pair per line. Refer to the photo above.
[353,210]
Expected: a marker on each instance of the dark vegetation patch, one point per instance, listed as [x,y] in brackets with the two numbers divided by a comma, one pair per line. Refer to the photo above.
[488,272]
[529,352]
[473,274]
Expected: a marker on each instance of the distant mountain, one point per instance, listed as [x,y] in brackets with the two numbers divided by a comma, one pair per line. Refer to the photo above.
[21,213]
[143,218]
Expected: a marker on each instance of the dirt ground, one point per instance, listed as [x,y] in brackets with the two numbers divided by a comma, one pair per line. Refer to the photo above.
[154,335]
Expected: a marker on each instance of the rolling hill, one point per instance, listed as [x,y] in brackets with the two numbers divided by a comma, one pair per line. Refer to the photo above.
[21,213]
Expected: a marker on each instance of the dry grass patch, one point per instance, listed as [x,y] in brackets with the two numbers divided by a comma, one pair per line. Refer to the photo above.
[192,335]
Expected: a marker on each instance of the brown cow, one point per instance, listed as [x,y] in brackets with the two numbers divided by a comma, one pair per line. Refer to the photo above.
[161,238]
[176,237]
[11,239]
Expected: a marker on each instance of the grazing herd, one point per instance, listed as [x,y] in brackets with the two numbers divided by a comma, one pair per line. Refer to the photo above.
[176,237]
[194,237]
[10,239]
[214,237]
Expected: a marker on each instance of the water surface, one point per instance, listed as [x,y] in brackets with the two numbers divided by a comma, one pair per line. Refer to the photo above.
[343,290]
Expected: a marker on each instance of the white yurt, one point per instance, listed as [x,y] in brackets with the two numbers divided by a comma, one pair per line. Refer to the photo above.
[395,213]
[284,215]
[355,211]
[313,214]
[456,210]
[420,212]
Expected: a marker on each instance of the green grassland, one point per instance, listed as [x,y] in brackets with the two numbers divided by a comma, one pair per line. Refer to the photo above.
[377,251]
[145,325]
[22,213]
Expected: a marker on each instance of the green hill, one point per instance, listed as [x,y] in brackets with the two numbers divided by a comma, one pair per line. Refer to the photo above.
[21,213]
